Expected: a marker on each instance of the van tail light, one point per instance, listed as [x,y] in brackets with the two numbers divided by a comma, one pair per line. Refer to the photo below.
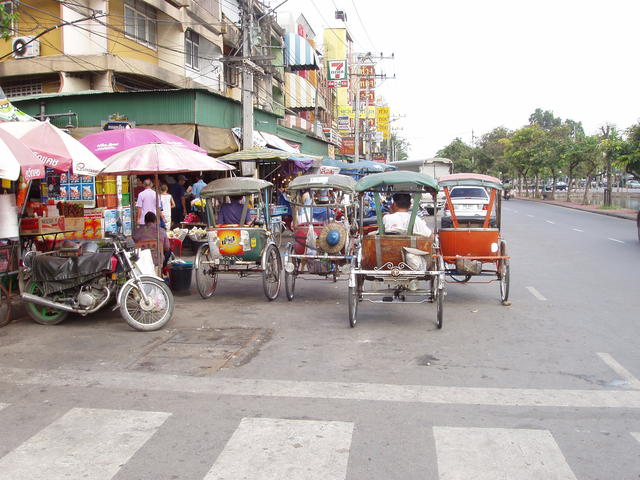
[485,207]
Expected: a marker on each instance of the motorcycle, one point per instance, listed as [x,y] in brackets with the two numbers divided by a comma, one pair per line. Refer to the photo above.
[55,284]
[506,194]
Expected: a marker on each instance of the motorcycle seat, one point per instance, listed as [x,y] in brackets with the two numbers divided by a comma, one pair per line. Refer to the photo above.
[51,267]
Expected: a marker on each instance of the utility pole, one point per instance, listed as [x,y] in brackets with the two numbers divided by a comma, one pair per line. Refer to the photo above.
[248,168]
[360,60]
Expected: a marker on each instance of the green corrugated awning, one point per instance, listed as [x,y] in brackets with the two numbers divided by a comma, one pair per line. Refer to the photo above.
[255,154]
[403,180]
[341,182]
[234,186]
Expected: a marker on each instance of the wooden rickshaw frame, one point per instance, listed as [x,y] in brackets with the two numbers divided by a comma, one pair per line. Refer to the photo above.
[317,182]
[400,274]
[485,238]
[208,265]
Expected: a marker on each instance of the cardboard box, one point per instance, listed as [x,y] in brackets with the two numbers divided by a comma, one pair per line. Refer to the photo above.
[74,224]
[41,225]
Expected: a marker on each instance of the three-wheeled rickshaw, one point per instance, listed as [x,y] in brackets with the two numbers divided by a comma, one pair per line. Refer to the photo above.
[245,247]
[400,265]
[470,239]
[323,227]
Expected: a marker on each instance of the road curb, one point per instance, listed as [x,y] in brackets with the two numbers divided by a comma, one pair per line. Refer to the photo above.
[609,213]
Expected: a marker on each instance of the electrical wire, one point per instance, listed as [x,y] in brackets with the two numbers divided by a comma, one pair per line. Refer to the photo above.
[362,23]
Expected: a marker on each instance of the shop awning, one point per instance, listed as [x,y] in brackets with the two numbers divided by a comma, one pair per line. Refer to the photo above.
[298,92]
[299,54]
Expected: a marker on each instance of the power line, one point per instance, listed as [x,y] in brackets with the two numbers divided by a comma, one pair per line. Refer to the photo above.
[362,23]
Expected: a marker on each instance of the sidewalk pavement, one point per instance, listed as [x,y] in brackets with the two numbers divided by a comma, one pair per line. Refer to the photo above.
[626,213]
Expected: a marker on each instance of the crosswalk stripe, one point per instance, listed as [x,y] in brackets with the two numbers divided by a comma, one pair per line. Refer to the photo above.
[490,453]
[84,443]
[274,449]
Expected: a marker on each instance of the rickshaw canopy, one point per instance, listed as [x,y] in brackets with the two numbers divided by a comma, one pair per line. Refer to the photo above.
[234,186]
[471,180]
[341,182]
[409,181]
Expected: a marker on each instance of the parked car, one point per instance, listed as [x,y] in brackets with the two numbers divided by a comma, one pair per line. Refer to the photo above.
[561,186]
[469,201]
[633,184]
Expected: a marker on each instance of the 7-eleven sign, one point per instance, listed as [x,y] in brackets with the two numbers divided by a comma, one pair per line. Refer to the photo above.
[337,70]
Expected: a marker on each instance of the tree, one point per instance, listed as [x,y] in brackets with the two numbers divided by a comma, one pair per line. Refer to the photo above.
[460,153]
[613,148]
[578,154]
[397,147]
[6,20]
[545,119]
[630,160]
[489,154]
[522,152]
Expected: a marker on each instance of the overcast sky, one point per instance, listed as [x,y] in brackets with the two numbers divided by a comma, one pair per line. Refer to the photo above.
[464,65]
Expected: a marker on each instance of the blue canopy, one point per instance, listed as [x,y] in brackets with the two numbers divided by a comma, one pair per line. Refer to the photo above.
[368,166]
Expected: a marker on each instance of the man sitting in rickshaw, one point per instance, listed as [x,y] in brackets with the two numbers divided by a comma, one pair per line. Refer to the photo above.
[231,213]
[398,220]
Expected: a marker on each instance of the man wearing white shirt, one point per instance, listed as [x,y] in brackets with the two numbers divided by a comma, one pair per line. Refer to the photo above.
[398,222]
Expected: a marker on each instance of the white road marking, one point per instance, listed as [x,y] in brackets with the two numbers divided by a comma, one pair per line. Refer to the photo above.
[636,435]
[620,370]
[537,294]
[275,449]
[84,443]
[499,453]
[378,392]
[549,221]
[530,216]
[3,405]
[577,230]
[614,240]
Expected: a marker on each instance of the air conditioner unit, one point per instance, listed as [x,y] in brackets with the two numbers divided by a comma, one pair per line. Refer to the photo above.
[25,47]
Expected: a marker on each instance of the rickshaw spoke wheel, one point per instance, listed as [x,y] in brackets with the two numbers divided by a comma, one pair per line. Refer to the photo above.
[505,273]
[290,278]
[271,274]
[5,307]
[353,306]
[206,276]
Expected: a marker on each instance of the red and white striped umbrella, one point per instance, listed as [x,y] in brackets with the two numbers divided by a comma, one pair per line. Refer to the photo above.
[18,158]
[56,149]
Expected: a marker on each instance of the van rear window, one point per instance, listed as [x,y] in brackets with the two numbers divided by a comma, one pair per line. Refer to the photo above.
[469,192]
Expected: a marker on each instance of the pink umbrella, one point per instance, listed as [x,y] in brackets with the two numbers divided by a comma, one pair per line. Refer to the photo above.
[157,158]
[16,158]
[56,149]
[106,144]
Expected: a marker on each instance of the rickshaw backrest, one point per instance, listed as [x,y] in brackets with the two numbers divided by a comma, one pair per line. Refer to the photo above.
[378,250]
[245,243]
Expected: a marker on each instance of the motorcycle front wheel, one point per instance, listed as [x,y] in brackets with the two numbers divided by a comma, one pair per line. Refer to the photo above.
[151,316]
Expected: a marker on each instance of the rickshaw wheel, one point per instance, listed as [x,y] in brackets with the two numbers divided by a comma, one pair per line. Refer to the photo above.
[505,273]
[439,308]
[353,306]
[271,274]
[206,277]
[290,278]
[5,307]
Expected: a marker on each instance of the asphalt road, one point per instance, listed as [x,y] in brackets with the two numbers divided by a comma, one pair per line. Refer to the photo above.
[238,387]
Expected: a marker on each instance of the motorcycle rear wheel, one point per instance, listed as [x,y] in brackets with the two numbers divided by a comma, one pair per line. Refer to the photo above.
[39,313]
[147,319]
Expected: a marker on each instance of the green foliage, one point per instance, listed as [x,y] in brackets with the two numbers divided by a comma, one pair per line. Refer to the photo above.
[630,159]
[6,20]
[460,153]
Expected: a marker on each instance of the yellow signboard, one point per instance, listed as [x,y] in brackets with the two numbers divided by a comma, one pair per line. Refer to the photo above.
[347,111]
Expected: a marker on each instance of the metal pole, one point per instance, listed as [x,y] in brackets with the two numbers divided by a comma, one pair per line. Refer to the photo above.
[356,134]
[248,168]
